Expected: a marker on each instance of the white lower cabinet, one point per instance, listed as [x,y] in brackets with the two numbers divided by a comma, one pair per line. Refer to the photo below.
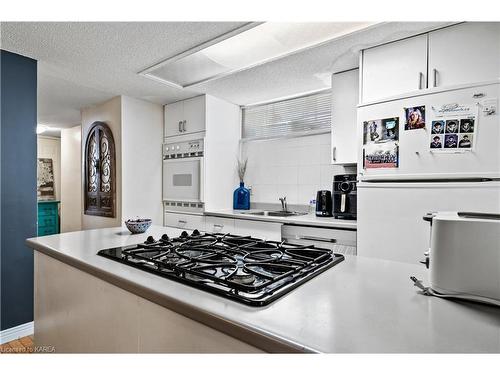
[184,221]
[259,229]
[219,224]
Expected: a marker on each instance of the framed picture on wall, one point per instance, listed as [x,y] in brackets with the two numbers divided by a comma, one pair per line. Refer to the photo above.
[45,179]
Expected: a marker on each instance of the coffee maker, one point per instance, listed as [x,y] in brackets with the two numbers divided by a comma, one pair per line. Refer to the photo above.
[324,203]
[344,196]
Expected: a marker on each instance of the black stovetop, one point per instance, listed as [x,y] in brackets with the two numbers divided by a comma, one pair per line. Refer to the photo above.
[245,269]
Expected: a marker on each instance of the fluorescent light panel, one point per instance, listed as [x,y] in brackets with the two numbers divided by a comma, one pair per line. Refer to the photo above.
[257,45]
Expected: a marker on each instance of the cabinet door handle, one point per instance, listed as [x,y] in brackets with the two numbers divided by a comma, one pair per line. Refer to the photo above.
[435,76]
[220,226]
[182,223]
[334,153]
[319,239]
[180,126]
[420,79]
[184,126]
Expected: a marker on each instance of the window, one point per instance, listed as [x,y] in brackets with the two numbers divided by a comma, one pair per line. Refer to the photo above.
[303,115]
[100,171]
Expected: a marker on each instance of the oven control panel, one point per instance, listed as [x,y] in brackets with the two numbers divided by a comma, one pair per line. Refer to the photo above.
[185,149]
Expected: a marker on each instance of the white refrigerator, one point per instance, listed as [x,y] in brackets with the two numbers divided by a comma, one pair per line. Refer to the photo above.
[459,172]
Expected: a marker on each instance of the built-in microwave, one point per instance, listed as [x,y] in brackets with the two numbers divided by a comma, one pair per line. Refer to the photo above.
[183,175]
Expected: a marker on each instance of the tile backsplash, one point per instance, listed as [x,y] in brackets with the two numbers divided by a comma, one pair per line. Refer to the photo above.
[296,168]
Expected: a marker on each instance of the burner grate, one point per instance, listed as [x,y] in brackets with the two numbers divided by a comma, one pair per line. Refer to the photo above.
[242,268]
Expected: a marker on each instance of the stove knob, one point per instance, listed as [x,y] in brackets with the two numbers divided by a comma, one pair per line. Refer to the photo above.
[150,239]
[165,237]
[196,232]
[177,147]
[166,149]
[184,234]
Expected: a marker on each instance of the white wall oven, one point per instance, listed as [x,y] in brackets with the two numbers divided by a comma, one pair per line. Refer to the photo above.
[183,176]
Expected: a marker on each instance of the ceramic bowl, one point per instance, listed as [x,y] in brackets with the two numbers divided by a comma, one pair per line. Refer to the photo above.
[138,225]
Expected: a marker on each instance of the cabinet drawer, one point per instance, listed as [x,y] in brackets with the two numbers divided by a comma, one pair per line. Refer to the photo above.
[341,241]
[259,229]
[184,221]
[219,224]
[46,230]
[47,211]
[47,221]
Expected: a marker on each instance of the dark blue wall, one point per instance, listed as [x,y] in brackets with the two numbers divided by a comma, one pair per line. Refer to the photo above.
[18,186]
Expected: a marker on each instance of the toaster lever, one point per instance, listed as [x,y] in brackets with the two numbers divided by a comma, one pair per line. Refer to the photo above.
[426,260]
[428,217]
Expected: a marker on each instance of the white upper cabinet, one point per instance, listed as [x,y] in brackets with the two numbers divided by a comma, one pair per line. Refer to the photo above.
[174,115]
[394,68]
[463,54]
[345,96]
[184,117]
[194,115]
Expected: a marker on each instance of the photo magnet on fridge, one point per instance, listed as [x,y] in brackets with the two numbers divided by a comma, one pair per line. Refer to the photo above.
[465,140]
[415,118]
[381,131]
[384,155]
[467,125]
[436,141]
[450,140]
[437,127]
[451,126]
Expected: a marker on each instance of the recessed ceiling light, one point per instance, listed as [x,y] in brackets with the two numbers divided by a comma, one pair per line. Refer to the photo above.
[253,45]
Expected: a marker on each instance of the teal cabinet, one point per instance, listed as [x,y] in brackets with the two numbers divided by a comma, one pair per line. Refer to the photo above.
[48,218]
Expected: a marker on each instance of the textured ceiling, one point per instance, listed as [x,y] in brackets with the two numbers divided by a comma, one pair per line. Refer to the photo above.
[84,63]
[310,69]
[81,64]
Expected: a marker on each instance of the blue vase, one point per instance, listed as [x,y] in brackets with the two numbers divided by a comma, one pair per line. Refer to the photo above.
[241,198]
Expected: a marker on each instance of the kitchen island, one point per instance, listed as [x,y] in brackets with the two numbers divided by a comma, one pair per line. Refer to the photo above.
[87,303]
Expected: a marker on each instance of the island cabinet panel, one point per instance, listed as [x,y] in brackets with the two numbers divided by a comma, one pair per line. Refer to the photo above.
[76,312]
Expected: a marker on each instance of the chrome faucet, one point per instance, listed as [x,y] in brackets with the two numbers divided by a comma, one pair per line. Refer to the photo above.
[283,204]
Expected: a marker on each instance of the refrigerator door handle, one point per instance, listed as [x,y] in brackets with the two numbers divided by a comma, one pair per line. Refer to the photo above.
[420,80]
[334,153]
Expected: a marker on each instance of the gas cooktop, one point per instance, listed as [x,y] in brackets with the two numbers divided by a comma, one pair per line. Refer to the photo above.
[245,269]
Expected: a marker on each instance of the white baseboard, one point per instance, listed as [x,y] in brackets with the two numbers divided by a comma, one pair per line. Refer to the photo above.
[14,333]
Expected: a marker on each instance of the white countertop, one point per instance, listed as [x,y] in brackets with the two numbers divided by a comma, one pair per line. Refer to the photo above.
[359,305]
[309,219]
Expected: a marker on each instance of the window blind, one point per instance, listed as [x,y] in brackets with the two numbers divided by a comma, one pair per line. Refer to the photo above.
[303,115]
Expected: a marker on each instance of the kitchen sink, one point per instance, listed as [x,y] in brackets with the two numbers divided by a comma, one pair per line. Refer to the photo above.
[275,213]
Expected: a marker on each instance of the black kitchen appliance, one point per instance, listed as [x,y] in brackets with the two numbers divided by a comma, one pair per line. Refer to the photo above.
[245,269]
[344,196]
[324,203]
